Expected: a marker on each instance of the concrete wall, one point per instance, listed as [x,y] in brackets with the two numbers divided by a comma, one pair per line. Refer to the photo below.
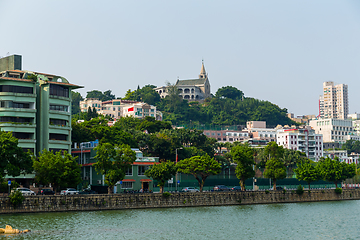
[12,62]
[157,200]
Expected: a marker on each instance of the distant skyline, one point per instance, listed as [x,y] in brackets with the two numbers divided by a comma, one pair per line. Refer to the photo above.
[278,51]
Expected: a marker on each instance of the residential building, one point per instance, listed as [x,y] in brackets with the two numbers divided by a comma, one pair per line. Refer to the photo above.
[333,130]
[301,119]
[35,107]
[227,135]
[118,108]
[301,139]
[135,178]
[334,101]
[191,89]
[258,131]
[342,156]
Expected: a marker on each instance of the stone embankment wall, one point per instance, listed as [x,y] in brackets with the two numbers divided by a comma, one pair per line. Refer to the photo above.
[157,200]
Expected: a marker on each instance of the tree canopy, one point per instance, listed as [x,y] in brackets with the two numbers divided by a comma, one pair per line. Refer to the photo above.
[57,169]
[306,171]
[13,160]
[161,173]
[200,167]
[229,92]
[243,156]
[275,170]
[112,161]
[107,95]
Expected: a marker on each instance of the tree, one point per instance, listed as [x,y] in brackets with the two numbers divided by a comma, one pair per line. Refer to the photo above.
[161,173]
[243,156]
[75,102]
[275,170]
[229,92]
[113,161]
[333,171]
[13,159]
[200,167]
[274,151]
[306,171]
[56,169]
[101,96]
[351,146]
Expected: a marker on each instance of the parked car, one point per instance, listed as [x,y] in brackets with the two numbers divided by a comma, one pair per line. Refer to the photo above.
[236,188]
[69,191]
[46,191]
[278,188]
[190,189]
[26,191]
[221,188]
[88,191]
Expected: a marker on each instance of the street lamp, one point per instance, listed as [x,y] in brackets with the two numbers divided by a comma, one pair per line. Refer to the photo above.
[176,160]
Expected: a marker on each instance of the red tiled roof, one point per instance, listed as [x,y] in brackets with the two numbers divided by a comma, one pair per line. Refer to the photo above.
[145,180]
[128,180]
[79,151]
[144,163]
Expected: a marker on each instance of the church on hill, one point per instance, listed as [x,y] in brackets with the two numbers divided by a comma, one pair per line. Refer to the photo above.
[191,89]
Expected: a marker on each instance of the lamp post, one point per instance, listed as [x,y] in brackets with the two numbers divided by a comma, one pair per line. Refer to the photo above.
[176,176]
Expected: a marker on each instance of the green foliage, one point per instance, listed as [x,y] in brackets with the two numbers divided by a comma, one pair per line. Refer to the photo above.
[229,92]
[75,102]
[32,77]
[274,151]
[16,198]
[101,96]
[338,190]
[335,171]
[61,170]
[200,167]
[161,173]
[166,194]
[351,146]
[146,94]
[243,156]
[113,161]
[300,190]
[13,160]
[267,191]
[307,172]
[275,170]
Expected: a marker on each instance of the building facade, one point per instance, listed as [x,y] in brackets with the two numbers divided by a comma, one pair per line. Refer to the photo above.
[118,108]
[191,89]
[134,180]
[333,130]
[334,102]
[301,139]
[35,107]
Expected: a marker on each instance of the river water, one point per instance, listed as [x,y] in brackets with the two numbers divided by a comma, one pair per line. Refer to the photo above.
[317,220]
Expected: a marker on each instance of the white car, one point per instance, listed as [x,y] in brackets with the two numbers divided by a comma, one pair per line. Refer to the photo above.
[69,191]
[26,191]
[190,189]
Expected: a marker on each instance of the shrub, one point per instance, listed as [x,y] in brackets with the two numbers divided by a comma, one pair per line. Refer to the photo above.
[16,198]
[284,191]
[266,191]
[300,190]
[338,190]
[166,194]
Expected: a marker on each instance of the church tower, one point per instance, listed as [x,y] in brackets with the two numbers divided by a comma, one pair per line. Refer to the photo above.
[202,71]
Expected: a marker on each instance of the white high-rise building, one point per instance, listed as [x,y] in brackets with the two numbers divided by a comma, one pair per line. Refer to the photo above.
[334,101]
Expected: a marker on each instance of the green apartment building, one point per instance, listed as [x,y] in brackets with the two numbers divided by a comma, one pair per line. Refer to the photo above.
[35,107]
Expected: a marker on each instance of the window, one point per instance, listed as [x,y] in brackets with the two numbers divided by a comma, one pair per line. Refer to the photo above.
[152,110]
[61,108]
[11,104]
[59,137]
[59,91]
[16,119]
[142,169]
[126,185]
[58,122]
[129,172]
[16,89]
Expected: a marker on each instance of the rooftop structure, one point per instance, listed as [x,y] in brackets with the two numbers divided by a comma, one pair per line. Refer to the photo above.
[35,107]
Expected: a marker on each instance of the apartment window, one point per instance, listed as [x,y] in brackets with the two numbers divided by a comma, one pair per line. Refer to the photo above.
[16,119]
[129,171]
[59,91]
[59,137]
[11,104]
[142,169]
[16,89]
[126,185]
[152,110]
[61,108]
[58,122]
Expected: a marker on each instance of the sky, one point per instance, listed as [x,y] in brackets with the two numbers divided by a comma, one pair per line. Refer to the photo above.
[278,51]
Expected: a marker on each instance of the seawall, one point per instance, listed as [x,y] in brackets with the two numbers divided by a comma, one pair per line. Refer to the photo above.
[58,203]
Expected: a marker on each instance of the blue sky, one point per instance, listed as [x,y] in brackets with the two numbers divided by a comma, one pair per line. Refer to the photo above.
[280,51]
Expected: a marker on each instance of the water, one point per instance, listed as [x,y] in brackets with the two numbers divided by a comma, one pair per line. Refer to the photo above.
[317,220]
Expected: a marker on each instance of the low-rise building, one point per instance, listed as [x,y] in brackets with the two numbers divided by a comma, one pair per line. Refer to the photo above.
[135,178]
[342,156]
